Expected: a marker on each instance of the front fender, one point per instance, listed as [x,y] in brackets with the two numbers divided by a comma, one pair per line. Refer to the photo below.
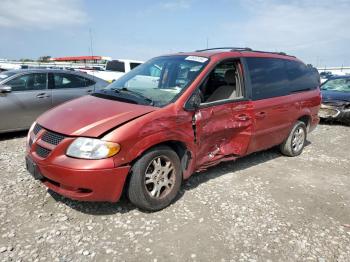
[159,138]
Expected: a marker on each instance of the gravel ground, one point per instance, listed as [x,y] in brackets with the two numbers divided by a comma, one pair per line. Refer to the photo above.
[264,207]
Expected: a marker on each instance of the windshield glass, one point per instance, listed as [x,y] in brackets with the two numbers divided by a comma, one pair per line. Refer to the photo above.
[340,85]
[4,75]
[158,81]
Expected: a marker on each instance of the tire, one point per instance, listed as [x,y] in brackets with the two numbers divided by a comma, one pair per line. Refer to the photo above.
[154,183]
[295,142]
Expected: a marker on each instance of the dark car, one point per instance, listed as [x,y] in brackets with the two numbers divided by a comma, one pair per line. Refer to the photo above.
[170,117]
[25,94]
[336,99]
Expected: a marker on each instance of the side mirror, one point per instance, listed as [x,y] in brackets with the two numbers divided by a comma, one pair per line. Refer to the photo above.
[194,102]
[5,89]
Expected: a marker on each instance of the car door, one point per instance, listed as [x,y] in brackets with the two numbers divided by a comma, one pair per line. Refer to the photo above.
[223,127]
[67,86]
[28,99]
[223,130]
[273,108]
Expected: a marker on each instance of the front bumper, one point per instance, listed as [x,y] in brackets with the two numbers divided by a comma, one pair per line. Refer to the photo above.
[85,185]
[79,179]
[331,112]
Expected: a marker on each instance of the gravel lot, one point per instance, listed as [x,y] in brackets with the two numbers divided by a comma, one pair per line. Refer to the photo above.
[264,207]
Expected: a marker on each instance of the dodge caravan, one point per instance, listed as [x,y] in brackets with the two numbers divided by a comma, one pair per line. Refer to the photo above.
[170,117]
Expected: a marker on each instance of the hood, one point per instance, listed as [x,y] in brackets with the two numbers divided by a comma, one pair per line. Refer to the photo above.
[90,116]
[330,96]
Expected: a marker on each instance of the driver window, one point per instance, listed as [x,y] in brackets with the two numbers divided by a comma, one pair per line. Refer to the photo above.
[223,83]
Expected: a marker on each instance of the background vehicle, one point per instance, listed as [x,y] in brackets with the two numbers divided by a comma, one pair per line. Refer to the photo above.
[336,99]
[114,69]
[25,94]
[196,110]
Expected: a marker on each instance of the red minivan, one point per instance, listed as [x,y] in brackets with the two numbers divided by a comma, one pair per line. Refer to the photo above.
[170,117]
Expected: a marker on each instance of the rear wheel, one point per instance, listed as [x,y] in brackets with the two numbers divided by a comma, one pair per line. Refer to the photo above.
[156,179]
[294,144]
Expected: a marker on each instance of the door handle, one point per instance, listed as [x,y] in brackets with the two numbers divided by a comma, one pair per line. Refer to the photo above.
[243,117]
[89,91]
[260,115]
[43,95]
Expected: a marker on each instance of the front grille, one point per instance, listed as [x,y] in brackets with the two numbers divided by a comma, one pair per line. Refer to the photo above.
[37,129]
[52,138]
[42,152]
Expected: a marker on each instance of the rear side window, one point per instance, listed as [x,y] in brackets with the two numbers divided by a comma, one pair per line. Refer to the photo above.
[273,77]
[268,77]
[301,77]
[62,80]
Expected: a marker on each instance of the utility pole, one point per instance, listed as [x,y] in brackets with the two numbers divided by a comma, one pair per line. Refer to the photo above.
[90,34]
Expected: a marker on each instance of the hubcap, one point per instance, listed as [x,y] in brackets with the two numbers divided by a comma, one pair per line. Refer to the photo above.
[298,139]
[159,177]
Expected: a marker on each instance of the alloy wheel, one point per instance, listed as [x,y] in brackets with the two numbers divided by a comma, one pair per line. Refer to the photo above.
[298,139]
[160,177]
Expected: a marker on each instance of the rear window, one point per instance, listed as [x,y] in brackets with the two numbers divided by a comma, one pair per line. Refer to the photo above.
[273,77]
[115,65]
[5,75]
[133,65]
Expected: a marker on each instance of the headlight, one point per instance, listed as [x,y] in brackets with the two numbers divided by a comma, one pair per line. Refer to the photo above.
[90,148]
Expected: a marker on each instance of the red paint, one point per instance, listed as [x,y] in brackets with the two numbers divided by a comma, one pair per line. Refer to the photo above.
[223,132]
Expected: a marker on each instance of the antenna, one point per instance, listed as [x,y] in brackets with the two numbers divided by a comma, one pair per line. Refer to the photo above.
[92,52]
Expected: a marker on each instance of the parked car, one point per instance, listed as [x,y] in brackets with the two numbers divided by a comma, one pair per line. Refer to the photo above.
[114,69]
[25,94]
[204,107]
[325,75]
[336,99]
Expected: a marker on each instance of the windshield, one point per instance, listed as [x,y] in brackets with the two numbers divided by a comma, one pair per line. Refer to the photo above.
[4,75]
[158,81]
[340,85]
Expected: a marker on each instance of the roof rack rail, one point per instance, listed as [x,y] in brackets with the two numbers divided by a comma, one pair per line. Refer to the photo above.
[243,49]
[230,48]
[269,52]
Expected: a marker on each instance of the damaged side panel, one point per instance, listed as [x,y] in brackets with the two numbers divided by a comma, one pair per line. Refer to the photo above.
[171,129]
[223,132]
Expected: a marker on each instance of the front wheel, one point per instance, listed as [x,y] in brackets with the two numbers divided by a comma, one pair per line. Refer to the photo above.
[295,142]
[155,179]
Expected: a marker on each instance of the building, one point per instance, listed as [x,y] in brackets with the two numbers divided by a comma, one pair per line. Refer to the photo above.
[82,59]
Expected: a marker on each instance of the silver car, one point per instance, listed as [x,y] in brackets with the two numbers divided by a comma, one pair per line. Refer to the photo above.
[25,94]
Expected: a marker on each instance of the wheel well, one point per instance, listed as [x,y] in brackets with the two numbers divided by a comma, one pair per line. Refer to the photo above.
[306,120]
[180,149]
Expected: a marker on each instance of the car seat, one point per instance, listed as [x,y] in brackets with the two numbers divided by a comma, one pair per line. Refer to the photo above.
[225,91]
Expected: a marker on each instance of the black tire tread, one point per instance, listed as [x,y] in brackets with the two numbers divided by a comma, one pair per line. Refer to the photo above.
[286,147]
[135,192]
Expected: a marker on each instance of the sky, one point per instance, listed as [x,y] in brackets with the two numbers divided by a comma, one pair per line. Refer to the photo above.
[317,32]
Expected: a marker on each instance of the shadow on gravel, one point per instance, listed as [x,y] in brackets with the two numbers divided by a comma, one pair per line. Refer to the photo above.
[13,135]
[231,166]
[95,208]
[124,206]
[324,122]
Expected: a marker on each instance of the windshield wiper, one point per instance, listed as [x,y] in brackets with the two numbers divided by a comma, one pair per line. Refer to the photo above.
[124,89]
